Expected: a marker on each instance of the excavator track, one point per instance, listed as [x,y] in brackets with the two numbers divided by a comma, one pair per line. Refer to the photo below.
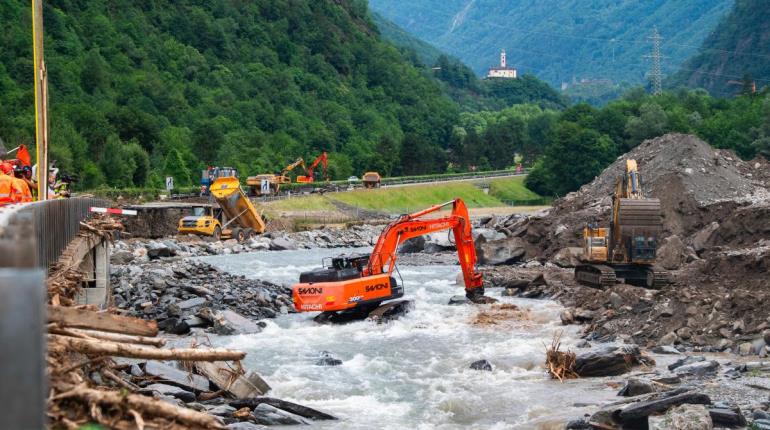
[657,277]
[595,275]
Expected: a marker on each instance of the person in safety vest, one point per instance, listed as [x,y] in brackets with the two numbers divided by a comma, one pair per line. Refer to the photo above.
[21,191]
[6,184]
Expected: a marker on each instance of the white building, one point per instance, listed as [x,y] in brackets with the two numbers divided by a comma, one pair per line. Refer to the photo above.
[503,72]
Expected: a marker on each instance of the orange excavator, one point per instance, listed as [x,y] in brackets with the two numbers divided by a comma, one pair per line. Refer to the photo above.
[322,159]
[355,286]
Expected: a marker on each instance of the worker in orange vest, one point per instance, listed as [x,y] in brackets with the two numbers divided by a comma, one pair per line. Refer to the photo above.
[21,191]
[6,184]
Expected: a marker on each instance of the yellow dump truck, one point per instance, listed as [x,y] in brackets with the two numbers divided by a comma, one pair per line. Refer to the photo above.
[236,217]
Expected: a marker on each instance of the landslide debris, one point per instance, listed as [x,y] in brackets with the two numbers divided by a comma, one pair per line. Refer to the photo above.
[716,242]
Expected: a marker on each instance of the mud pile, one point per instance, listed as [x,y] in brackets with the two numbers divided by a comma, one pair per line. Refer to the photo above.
[716,244]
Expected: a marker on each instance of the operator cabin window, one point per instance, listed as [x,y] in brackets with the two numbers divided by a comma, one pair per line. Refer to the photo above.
[199,211]
[597,241]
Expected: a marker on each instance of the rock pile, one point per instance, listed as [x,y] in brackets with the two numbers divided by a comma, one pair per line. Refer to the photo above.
[187,294]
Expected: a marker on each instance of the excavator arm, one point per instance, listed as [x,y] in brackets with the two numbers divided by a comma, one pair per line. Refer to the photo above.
[322,159]
[365,281]
[292,166]
[383,257]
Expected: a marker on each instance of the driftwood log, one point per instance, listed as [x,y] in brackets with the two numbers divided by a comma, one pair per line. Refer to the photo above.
[142,404]
[87,319]
[97,347]
[111,337]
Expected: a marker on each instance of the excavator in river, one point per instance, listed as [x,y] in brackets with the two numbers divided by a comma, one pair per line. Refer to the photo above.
[627,250]
[356,286]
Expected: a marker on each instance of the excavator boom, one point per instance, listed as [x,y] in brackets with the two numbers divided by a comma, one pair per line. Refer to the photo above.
[365,281]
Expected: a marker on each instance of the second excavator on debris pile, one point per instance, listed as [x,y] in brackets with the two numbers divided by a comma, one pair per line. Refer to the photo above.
[356,286]
[627,250]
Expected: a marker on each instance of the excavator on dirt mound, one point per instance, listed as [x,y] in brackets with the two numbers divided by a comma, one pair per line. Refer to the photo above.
[627,250]
[356,286]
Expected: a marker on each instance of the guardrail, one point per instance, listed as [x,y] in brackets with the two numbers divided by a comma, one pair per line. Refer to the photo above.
[36,234]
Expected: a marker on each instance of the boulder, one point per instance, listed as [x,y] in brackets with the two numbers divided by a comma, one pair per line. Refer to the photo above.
[173,376]
[488,234]
[170,390]
[640,410]
[458,300]
[413,245]
[665,349]
[760,424]
[481,365]
[744,348]
[507,251]
[326,359]
[698,369]
[228,322]
[179,308]
[293,408]
[683,417]
[222,410]
[608,360]
[578,424]
[729,418]
[282,244]
[671,253]
[121,257]
[686,360]
[636,387]
[238,383]
[700,239]
[568,257]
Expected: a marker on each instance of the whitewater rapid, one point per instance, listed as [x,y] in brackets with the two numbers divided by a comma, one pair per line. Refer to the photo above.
[414,372]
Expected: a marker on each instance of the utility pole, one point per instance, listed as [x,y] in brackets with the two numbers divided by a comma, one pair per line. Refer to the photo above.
[656,75]
[41,100]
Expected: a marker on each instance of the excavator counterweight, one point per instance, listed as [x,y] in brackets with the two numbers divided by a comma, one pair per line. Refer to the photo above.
[627,250]
[359,284]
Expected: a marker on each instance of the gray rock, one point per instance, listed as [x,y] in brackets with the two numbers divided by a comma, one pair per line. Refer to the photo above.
[665,349]
[413,245]
[282,244]
[222,410]
[245,425]
[759,414]
[729,418]
[636,387]
[669,339]
[684,333]
[179,378]
[507,251]
[459,300]
[179,308]
[488,234]
[698,369]
[683,417]
[700,239]
[723,344]
[481,365]
[568,257]
[766,336]
[170,390]
[327,359]
[762,424]
[229,322]
[744,348]
[686,360]
[271,416]
[122,257]
[578,424]
[615,300]
[671,253]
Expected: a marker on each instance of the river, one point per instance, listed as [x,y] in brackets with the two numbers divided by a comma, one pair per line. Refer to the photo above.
[414,372]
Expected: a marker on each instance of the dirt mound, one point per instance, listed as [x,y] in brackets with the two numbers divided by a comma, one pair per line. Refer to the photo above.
[696,184]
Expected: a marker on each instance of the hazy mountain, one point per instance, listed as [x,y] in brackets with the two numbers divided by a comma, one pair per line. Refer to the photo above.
[561,40]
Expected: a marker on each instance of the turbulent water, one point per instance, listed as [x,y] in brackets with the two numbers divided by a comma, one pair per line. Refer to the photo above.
[414,372]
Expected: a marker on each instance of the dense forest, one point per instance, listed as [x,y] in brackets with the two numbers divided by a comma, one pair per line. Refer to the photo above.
[737,50]
[140,90]
[562,40]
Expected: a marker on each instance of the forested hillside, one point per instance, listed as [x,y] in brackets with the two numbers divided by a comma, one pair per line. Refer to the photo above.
[738,49]
[559,40]
[140,90]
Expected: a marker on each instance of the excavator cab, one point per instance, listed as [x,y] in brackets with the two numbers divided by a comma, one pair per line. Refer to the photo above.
[595,243]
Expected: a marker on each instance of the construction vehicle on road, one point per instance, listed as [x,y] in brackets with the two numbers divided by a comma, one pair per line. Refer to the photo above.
[211,174]
[627,250]
[356,286]
[372,180]
[274,181]
[309,176]
[236,217]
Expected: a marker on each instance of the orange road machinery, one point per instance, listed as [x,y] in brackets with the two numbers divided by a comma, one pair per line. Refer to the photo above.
[355,286]
[309,178]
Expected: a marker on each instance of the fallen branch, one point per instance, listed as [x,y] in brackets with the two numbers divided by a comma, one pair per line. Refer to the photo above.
[95,347]
[560,364]
[120,381]
[81,318]
[112,337]
[141,404]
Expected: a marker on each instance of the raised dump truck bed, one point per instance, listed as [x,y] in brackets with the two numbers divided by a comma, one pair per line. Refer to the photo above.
[235,205]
